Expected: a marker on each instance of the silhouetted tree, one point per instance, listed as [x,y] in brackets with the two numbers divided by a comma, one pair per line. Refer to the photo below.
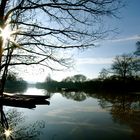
[79,78]
[137,52]
[124,66]
[76,78]
[48,78]
[32,31]
[67,79]
[137,55]
[103,74]
[11,76]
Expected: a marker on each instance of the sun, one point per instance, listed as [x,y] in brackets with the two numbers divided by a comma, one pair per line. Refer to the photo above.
[7,132]
[5,33]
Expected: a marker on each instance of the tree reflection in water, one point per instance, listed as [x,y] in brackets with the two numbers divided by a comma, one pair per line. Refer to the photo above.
[12,128]
[77,96]
[125,109]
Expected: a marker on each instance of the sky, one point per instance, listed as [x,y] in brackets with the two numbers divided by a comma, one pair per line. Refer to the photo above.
[90,62]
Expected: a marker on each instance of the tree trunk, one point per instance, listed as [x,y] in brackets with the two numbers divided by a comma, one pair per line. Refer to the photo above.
[1,84]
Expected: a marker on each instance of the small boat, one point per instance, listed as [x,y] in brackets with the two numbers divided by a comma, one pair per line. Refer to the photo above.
[23,101]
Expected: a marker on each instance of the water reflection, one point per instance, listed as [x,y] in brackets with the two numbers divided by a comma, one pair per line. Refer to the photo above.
[13,127]
[77,96]
[123,107]
[76,115]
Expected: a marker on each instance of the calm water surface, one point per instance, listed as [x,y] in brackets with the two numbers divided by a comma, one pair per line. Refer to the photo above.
[77,116]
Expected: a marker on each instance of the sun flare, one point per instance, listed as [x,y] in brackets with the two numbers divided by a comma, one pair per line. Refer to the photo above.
[5,33]
[8,35]
[7,132]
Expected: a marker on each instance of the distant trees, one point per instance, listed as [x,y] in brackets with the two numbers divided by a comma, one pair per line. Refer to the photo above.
[15,84]
[79,83]
[12,77]
[103,74]
[48,78]
[76,78]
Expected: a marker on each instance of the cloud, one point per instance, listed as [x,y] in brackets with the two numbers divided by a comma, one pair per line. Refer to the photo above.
[65,112]
[129,38]
[94,61]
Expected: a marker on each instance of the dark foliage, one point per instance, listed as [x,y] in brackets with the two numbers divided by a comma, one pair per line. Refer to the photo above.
[92,86]
[15,86]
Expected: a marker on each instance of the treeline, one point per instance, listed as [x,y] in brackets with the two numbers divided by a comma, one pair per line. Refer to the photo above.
[123,75]
[92,86]
[15,84]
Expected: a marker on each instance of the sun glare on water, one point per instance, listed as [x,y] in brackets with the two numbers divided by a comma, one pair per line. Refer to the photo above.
[7,132]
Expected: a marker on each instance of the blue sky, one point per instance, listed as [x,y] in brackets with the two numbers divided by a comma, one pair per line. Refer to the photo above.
[90,62]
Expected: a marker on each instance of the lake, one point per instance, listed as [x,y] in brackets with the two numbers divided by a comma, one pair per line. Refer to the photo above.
[75,116]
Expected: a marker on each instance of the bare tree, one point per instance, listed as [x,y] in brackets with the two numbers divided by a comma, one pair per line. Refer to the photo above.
[137,52]
[137,56]
[125,66]
[39,31]
[78,78]
[75,78]
[104,74]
